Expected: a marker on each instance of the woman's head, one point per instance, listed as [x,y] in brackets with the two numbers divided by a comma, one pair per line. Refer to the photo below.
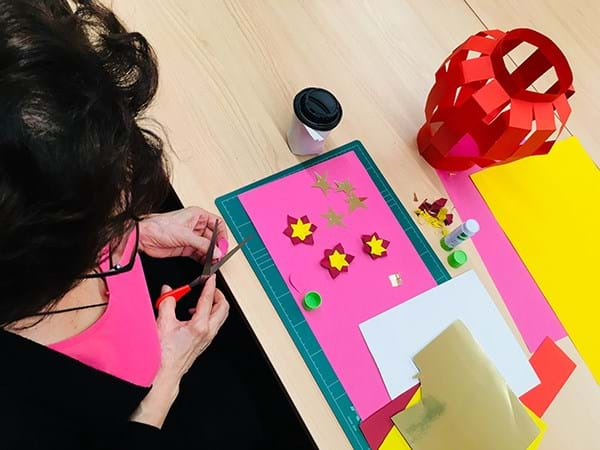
[76,167]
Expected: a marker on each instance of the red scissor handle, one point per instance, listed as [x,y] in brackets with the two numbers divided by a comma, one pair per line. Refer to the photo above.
[176,293]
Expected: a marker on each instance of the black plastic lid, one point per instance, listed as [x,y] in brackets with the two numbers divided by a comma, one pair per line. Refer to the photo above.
[317,108]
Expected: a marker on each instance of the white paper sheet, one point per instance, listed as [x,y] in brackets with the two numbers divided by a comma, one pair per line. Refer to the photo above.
[395,336]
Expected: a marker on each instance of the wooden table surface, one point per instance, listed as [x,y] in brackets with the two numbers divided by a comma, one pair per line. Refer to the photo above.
[229,71]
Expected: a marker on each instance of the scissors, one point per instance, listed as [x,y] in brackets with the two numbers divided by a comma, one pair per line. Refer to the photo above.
[208,270]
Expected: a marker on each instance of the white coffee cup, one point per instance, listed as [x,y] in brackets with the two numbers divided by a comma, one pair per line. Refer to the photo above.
[317,112]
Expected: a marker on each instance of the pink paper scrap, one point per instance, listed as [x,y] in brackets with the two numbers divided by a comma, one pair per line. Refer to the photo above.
[528,307]
[354,296]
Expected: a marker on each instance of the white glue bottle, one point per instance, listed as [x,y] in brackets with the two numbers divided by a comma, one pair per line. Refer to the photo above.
[460,234]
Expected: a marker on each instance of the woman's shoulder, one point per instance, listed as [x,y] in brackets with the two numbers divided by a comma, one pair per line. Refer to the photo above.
[36,372]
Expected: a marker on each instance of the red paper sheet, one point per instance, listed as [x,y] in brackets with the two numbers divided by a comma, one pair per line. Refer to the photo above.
[553,367]
[378,425]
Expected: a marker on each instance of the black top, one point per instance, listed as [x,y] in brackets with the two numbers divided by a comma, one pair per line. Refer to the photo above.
[318,109]
[50,401]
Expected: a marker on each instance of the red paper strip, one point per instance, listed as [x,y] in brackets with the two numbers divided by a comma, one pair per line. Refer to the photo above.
[378,425]
[553,367]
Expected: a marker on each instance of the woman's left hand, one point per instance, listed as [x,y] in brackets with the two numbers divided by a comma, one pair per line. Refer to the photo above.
[186,232]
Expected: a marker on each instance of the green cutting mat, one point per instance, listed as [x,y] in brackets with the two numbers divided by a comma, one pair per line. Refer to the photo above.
[274,285]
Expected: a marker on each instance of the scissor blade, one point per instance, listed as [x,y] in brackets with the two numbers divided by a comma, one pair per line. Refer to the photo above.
[210,253]
[213,269]
[225,258]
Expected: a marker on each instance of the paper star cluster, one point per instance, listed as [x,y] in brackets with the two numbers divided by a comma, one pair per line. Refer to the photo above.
[374,246]
[336,260]
[300,231]
[354,201]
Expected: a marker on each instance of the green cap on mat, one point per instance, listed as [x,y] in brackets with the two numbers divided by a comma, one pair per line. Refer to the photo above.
[457,258]
[312,300]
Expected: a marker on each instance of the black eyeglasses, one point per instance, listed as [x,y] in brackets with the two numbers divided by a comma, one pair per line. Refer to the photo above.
[126,262]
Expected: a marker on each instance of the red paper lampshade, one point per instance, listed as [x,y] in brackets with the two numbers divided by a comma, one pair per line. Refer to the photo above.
[474,94]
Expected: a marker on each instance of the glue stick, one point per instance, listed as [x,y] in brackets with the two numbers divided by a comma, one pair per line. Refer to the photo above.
[460,234]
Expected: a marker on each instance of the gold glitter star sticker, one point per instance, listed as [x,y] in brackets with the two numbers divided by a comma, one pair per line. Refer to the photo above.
[344,186]
[338,261]
[376,245]
[333,218]
[355,202]
[322,183]
[301,230]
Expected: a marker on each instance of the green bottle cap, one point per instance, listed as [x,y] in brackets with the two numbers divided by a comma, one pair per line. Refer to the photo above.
[457,258]
[312,300]
[443,244]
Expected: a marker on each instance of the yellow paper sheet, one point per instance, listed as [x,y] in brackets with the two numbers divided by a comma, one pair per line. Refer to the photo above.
[466,403]
[394,440]
[549,207]
[541,425]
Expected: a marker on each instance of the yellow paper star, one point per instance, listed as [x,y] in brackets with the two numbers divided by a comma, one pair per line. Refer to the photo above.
[338,260]
[322,183]
[301,230]
[333,218]
[344,186]
[376,245]
[355,202]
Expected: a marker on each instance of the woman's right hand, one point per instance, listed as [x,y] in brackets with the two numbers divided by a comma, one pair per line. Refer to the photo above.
[182,342]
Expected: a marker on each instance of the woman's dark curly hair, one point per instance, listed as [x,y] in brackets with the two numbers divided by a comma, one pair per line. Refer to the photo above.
[76,166]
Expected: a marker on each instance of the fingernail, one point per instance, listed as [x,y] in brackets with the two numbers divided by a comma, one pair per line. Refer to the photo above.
[165,288]
[223,246]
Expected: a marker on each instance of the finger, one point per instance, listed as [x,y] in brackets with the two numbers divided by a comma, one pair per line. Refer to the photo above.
[219,312]
[222,230]
[198,244]
[205,301]
[166,309]
[212,226]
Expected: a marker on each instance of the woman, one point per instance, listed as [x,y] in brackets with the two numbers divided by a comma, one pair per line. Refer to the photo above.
[86,364]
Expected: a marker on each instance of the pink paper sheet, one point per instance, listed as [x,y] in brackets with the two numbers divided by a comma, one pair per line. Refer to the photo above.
[353,297]
[529,309]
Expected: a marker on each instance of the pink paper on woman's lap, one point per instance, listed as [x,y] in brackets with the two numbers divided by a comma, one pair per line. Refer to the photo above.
[353,297]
